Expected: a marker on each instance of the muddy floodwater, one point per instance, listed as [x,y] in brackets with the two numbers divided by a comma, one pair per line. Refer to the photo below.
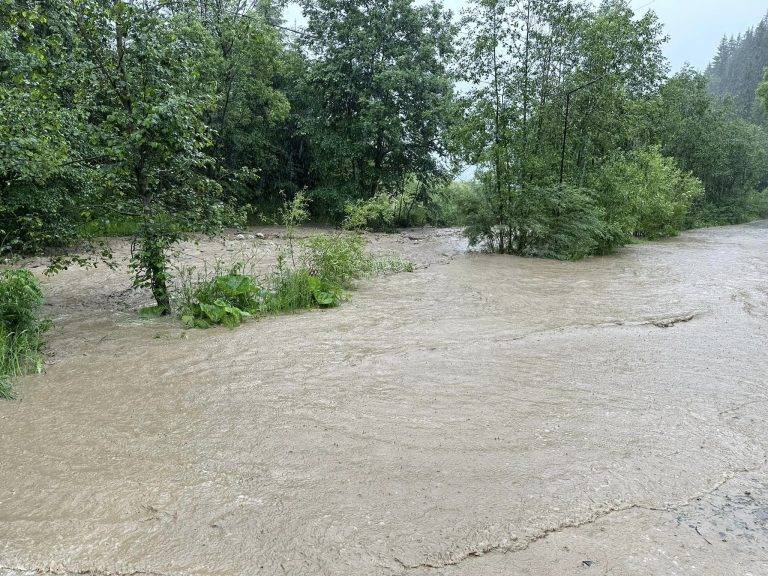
[483,416]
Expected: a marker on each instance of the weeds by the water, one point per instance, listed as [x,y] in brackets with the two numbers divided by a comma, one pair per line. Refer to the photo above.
[314,273]
[21,328]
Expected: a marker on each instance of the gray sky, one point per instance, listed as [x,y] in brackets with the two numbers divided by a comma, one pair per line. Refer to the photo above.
[694,27]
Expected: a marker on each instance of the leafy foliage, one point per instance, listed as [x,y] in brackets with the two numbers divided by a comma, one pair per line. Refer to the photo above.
[325,267]
[21,328]
[161,119]
[561,222]
[382,94]
[336,259]
[645,194]
[728,154]
[225,298]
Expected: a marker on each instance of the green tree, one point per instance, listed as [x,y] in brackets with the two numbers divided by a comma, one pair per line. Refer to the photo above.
[41,111]
[381,93]
[762,91]
[556,88]
[146,126]
[737,70]
[244,67]
[727,153]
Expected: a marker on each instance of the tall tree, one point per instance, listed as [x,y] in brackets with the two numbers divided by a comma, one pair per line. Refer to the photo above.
[146,127]
[737,70]
[381,90]
[728,153]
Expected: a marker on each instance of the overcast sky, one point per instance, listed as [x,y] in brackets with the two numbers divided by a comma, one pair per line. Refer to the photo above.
[694,27]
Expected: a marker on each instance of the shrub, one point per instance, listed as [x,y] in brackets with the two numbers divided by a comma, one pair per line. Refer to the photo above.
[298,290]
[445,204]
[336,259]
[737,209]
[35,215]
[561,222]
[21,328]
[376,214]
[645,194]
[225,298]
[325,266]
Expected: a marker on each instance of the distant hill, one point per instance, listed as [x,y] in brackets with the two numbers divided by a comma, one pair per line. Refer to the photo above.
[738,68]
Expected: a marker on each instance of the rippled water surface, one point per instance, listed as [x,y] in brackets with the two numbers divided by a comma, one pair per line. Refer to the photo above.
[483,415]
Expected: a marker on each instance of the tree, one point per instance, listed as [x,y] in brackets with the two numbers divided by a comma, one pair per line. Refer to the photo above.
[737,70]
[244,69]
[728,153]
[146,135]
[41,109]
[381,95]
[762,90]
[557,87]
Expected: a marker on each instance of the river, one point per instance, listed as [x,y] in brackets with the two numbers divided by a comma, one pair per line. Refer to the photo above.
[483,415]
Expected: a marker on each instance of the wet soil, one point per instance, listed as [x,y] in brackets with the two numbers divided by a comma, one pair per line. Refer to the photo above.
[483,415]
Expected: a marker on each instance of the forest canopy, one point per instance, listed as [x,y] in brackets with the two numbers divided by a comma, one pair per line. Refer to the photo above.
[164,118]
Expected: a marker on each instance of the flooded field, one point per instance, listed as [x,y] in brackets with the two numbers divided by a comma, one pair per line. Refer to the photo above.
[483,415]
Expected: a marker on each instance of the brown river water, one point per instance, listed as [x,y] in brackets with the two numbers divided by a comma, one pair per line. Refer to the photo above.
[484,416]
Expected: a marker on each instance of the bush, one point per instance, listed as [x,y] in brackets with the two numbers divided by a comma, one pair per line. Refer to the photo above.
[326,265]
[34,216]
[21,328]
[560,222]
[376,215]
[739,208]
[337,259]
[298,290]
[225,298]
[445,203]
[645,194]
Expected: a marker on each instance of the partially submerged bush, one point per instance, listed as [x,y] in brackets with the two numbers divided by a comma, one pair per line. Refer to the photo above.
[637,194]
[312,274]
[21,328]
[299,289]
[224,298]
[561,222]
[337,259]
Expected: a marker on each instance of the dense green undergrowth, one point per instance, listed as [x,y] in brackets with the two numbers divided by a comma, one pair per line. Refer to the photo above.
[21,327]
[314,273]
[634,195]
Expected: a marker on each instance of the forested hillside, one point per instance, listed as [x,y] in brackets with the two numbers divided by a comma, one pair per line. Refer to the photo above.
[158,119]
[737,70]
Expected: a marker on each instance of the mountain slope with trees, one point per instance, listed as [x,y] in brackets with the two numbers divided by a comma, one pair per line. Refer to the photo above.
[737,69]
